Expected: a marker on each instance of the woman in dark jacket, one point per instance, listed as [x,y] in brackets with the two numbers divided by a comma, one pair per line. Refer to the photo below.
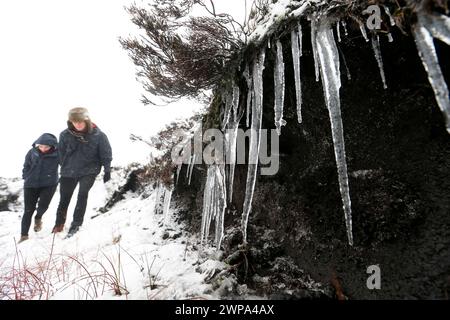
[40,174]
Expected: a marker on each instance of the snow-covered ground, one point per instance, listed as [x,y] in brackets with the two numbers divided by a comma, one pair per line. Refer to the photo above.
[128,252]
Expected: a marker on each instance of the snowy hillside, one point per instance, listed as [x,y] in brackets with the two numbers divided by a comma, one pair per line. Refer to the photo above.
[127,253]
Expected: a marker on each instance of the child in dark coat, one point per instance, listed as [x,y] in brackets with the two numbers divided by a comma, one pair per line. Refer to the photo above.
[40,174]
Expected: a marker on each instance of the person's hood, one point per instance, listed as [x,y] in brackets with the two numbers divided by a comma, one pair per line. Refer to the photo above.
[47,139]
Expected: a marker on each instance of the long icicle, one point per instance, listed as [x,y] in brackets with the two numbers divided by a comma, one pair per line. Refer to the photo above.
[300,36]
[279,88]
[227,113]
[330,73]
[221,204]
[234,125]
[191,168]
[167,198]
[296,53]
[377,53]
[207,204]
[363,31]
[438,25]
[427,52]
[249,81]
[314,45]
[258,67]
[213,208]
[338,32]
[388,12]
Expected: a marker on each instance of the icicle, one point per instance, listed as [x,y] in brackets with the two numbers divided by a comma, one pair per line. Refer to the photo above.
[180,165]
[338,31]
[214,203]
[349,76]
[300,35]
[191,169]
[390,39]
[207,204]
[235,101]
[221,204]
[438,25]
[279,88]
[344,24]
[232,152]
[167,198]
[329,67]
[378,57]
[391,19]
[157,198]
[253,157]
[232,139]
[249,81]
[427,52]
[295,38]
[227,114]
[314,46]
[363,31]
[189,164]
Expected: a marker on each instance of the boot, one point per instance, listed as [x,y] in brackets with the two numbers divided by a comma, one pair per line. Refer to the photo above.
[58,228]
[37,225]
[22,239]
[73,229]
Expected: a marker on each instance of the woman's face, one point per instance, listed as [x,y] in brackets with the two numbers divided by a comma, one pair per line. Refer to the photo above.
[79,125]
[44,148]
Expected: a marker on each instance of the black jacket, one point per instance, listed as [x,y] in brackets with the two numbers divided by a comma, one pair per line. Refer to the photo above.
[84,154]
[41,169]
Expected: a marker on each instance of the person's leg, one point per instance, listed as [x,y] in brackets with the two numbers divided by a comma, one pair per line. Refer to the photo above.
[86,184]
[45,197]
[66,188]
[30,198]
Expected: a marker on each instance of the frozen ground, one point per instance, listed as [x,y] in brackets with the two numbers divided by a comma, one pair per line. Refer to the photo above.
[127,253]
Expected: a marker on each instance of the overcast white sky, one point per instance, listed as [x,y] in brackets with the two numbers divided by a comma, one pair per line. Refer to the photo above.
[59,54]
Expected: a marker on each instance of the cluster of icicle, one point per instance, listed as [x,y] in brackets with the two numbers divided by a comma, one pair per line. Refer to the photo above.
[326,60]
[163,193]
[327,68]
[215,193]
[214,203]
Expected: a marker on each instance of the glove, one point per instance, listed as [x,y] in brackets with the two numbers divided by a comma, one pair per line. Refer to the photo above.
[106,177]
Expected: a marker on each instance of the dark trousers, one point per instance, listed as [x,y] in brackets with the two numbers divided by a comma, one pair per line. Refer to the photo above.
[66,188]
[32,196]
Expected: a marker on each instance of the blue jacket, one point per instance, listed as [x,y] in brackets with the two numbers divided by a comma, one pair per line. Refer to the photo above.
[41,169]
[84,154]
